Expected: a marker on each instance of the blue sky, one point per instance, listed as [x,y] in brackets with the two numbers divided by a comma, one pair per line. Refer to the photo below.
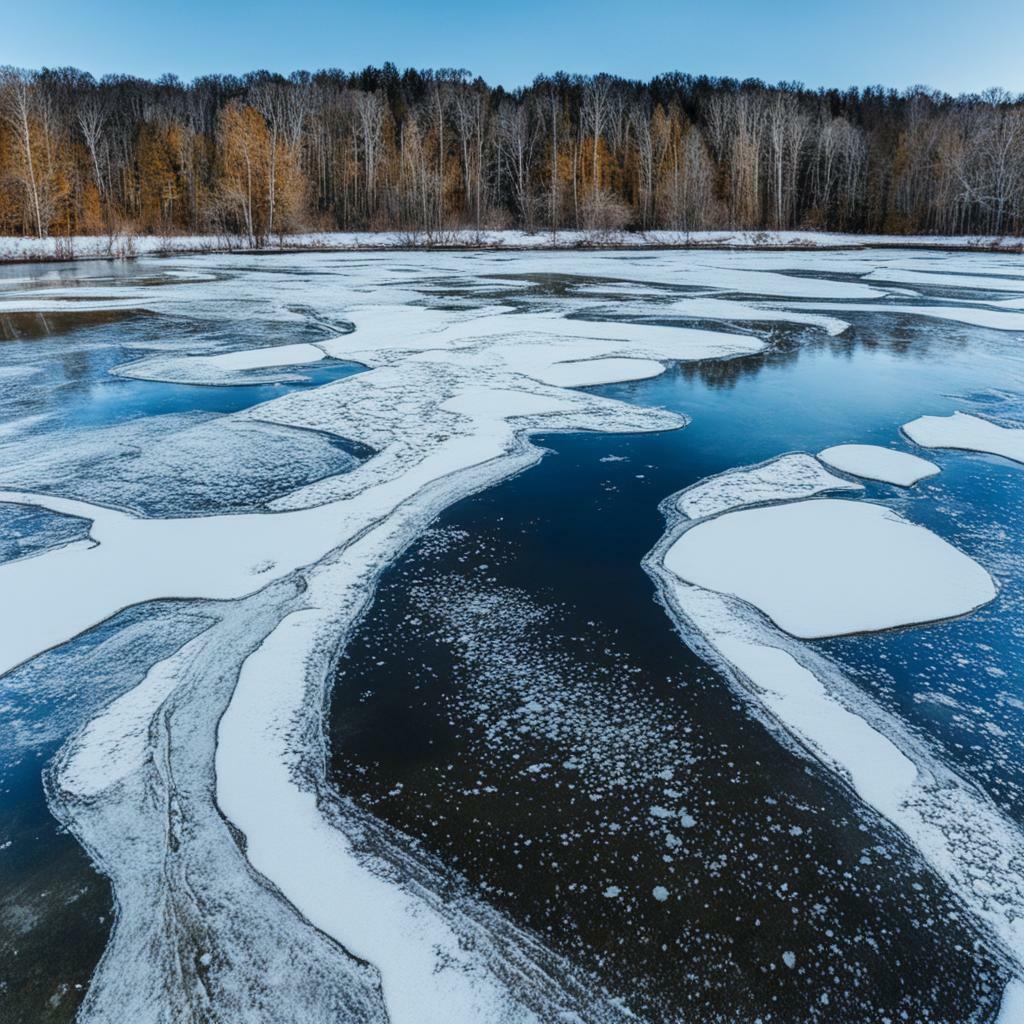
[956,45]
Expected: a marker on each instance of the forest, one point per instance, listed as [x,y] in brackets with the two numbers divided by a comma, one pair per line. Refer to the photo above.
[426,152]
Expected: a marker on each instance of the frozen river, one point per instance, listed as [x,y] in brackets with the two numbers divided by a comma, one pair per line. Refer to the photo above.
[480,637]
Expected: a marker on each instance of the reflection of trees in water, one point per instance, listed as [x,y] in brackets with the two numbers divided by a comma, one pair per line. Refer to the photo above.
[24,326]
[904,335]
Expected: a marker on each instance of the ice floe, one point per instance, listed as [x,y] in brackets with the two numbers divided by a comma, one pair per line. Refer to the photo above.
[721,309]
[786,477]
[1004,318]
[970,433]
[876,463]
[825,567]
[1011,1008]
[940,280]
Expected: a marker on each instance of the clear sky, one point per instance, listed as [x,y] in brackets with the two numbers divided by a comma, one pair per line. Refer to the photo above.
[956,45]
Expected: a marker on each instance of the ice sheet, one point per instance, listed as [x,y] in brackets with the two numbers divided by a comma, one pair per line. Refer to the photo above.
[447,405]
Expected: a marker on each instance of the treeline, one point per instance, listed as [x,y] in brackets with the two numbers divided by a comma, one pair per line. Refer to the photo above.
[429,151]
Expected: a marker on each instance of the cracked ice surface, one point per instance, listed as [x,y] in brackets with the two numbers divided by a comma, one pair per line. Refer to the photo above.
[173,465]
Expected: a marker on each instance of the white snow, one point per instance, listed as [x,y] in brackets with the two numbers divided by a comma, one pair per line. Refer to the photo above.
[965,838]
[425,975]
[546,347]
[447,402]
[876,463]
[95,247]
[1011,1007]
[131,559]
[971,433]
[599,371]
[24,423]
[826,567]
[939,280]
[1003,319]
[114,742]
[881,774]
[260,358]
[796,475]
[728,309]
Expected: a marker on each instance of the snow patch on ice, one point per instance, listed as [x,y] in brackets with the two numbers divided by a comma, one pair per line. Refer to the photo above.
[726,309]
[876,463]
[785,478]
[969,433]
[826,567]
[1003,319]
[1011,1007]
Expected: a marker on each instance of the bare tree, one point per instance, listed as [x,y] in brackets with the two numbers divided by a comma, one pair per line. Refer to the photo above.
[517,139]
[18,105]
[553,113]
[284,106]
[91,113]
[370,115]
[597,98]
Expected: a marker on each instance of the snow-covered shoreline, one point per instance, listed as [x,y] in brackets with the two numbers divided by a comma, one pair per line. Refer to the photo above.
[128,246]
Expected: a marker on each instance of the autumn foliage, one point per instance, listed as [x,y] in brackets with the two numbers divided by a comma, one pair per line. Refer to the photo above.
[264,155]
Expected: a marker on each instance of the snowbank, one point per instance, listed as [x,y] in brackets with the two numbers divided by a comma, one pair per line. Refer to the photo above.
[876,463]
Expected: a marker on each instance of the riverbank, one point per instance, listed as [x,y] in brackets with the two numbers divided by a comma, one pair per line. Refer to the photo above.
[62,249]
